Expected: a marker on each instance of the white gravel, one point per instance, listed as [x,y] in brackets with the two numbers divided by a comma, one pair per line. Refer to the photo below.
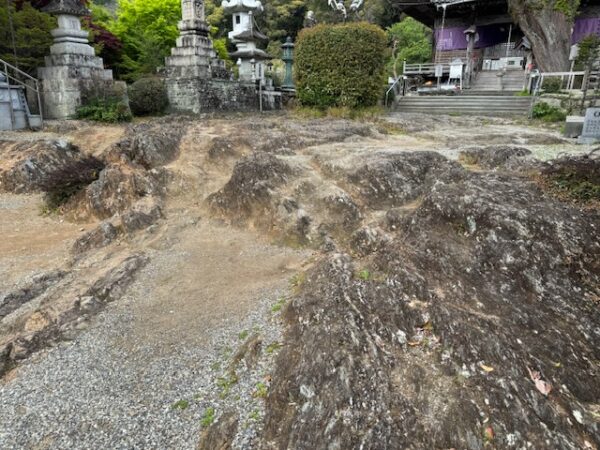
[96,393]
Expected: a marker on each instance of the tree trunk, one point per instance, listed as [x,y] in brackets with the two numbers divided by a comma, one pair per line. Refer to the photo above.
[548,29]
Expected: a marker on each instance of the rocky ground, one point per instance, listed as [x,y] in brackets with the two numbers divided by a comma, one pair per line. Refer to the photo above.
[273,282]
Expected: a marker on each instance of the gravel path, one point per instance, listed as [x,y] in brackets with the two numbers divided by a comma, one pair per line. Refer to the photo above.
[113,387]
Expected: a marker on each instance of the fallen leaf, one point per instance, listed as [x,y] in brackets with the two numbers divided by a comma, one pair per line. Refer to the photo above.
[488,434]
[414,343]
[543,386]
[487,369]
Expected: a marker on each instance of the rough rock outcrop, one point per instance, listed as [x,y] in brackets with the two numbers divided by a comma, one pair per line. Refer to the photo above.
[150,145]
[249,190]
[392,180]
[45,166]
[475,327]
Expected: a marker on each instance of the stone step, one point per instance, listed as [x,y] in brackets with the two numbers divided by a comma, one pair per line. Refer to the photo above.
[466,104]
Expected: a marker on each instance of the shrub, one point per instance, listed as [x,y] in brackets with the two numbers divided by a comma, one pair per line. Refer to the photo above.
[340,65]
[548,113]
[148,96]
[110,110]
[60,185]
[552,85]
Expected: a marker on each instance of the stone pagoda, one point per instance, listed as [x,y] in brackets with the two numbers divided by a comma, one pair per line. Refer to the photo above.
[251,60]
[194,55]
[198,81]
[73,72]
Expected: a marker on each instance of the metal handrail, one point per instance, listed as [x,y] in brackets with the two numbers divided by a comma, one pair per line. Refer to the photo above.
[35,88]
[390,90]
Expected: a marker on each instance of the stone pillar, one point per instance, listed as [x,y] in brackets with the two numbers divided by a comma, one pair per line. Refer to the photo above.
[73,72]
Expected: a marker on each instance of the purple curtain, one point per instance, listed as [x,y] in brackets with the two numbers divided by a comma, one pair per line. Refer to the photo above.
[486,36]
[585,27]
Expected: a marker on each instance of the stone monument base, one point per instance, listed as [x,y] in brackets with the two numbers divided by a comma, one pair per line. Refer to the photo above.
[194,95]
[70,80]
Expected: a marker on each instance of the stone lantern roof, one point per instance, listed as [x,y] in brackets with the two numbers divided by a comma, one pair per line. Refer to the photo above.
[234,6]
[251,36]
[70,7]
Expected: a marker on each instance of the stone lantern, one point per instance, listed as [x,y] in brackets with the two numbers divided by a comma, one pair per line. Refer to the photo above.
[288,58]
[246,36]
[73,71]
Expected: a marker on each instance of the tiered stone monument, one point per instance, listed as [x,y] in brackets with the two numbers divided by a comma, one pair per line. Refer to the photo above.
[245,35]
[197,80]
[73,72]
[194,55]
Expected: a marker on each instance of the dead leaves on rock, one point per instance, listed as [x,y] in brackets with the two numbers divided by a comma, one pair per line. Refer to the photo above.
[543,386]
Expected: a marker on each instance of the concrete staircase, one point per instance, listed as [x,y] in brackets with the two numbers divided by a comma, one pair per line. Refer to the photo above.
[14,109]
[474,105]
[512,81]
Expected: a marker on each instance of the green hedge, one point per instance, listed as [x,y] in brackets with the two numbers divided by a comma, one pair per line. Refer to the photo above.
[148,96]
[340,65]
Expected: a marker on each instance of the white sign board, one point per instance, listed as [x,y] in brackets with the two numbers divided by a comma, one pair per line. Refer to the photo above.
[439,70]
[456,71]
[591,127]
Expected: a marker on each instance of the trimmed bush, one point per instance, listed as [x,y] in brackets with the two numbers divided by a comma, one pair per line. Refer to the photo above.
[148,96]
[552,85]
[110,110]
[548,113]
[340,65]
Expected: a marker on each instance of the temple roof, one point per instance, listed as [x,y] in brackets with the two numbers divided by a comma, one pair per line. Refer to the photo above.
[72,7]
[426,11]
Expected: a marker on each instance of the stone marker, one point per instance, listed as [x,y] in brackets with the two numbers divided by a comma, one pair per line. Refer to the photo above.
[73,71]
[591,127]
[573,126]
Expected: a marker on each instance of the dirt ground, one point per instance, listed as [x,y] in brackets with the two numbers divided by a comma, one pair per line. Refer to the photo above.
[204,283]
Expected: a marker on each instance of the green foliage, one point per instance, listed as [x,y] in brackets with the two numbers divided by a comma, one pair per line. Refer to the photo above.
[181,404]
[567,7]
[552,85]
[148,30]
[589,50]
[548,113]
[110,110]
[272,348]
[364,275]
[208,417]
[340,65]
[413,42]
[278,306]
[32,37]
[148,96]
[261,390]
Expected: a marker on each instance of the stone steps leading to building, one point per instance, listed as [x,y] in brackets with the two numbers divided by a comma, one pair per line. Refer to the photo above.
[491,105]
[513,80]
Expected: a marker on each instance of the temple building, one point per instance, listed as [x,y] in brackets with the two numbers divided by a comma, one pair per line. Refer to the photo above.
[483,35]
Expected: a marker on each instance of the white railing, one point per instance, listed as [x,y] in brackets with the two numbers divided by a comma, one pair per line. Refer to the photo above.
[23,79]
[423,69]
[569,81]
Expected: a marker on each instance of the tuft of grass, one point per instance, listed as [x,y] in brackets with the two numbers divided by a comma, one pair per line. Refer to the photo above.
[261,390]
[273,347]
[181,404]
[297,281]
[254,415]
[364,275]
[278,306]
[243,335]
[226,383]
[208,417]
